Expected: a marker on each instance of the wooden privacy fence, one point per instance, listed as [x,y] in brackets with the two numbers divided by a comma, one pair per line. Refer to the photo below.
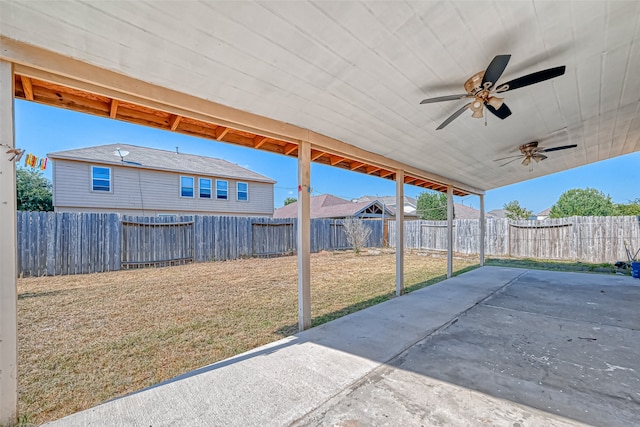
[156,242]
[588,239]
[72,243]
[67,243]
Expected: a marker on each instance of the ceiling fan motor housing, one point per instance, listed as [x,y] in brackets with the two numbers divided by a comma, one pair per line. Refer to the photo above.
[473,85]
[529,148]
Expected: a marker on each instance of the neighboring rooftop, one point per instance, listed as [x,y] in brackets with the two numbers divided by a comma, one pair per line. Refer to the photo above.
[153,158]
[329,206]
[461,211]
[497,213]
[545,212]
[465,212]
[387,200]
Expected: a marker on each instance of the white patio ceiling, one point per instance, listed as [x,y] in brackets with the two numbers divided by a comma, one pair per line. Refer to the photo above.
[356,71]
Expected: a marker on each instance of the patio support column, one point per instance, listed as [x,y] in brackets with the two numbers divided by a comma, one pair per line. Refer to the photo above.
[399,232]
[449,231]
[304,235]
[8,254]
[483,228]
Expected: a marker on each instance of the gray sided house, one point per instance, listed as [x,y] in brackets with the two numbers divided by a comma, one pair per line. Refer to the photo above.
[136,180]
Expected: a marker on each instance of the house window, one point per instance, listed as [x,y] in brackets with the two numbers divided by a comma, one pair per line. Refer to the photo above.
[100,178]
[186,186]
[243,191]
[222,190]
[205,188]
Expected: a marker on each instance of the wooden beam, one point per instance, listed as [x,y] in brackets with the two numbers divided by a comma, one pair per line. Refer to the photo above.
[316,155]
[385,173]
[259,140]
[334,160]
[8,254]
[113,109]
[355,165]
[27,87]
[221,131]
[290,148]
[174,121]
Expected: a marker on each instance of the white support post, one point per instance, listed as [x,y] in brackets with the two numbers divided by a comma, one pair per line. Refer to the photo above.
[304,235]
[483,227]
[399,232]
[8,254]
[449,231]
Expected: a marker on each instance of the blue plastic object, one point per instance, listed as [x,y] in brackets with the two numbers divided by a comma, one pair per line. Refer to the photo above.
[635,270]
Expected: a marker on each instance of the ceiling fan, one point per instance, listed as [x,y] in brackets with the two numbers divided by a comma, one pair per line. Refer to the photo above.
[483,85]
[531,151]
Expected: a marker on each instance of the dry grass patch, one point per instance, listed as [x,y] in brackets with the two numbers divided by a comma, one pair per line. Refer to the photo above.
[86,339]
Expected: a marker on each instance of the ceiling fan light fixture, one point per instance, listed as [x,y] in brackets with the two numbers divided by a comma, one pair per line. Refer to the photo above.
[495,102]
[476,107]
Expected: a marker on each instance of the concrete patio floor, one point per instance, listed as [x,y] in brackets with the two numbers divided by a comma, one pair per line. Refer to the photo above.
[495,346]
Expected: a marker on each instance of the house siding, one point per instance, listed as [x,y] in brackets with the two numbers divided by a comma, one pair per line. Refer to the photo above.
[139,191]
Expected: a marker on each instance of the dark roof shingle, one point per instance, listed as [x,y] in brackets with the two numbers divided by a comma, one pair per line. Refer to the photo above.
[153,158]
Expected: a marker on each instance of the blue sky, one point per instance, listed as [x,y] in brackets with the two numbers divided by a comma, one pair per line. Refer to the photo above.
[42,129]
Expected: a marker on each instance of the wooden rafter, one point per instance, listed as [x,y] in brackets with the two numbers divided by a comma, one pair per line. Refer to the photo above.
[409,180]
[27,87]
[372,169]
[221,132]
[334,160]
[289,148]
[315,155]
[385,173]
[355,165]
[258,141]
[113,108]
[174,121]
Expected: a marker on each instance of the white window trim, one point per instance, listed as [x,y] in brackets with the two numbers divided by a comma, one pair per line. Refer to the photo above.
[193,187]
[200,188]
[110,180]
[238,191]
[222,180]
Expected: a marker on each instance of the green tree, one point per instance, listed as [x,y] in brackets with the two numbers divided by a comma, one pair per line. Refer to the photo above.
[290,200]
[583,202]
[432,206]
[515,211]
[630,209]
[34,190]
